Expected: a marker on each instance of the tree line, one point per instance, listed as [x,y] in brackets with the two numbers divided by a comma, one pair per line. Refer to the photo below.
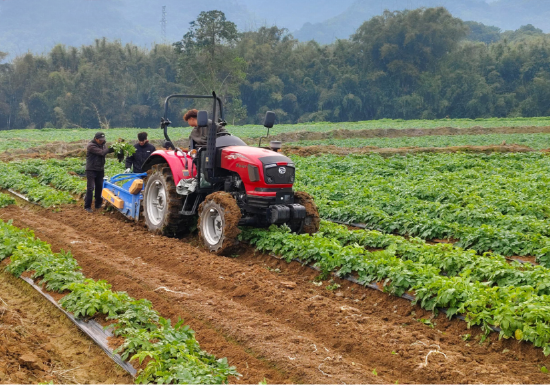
[418,64]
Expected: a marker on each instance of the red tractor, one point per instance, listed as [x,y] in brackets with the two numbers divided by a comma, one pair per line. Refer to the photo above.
[225,183]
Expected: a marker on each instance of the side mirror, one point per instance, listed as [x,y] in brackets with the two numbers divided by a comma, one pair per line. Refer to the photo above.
[269,119]
[202,118]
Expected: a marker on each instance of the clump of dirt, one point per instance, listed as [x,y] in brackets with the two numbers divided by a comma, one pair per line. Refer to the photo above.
[39,344]
[232,216]
[343,151]
[313,221]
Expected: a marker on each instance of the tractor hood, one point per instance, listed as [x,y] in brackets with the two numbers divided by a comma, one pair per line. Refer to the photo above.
[259,169]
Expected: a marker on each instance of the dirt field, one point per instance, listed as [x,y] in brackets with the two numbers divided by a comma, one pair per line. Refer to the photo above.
[269,318]
[39,344]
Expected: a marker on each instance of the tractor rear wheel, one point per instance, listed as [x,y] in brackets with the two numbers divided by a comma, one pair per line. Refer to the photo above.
[161,203]
[310,224]
[219,217]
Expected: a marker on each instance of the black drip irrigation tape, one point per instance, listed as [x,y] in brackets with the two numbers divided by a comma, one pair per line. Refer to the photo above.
[91,328]
[364,227]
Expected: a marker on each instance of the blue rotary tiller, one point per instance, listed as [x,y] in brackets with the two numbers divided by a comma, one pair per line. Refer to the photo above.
[124,192]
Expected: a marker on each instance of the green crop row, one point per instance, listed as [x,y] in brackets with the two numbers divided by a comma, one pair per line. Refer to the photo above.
[6,200]
[174,353]
[62,174]
[34,191]
[490,268]
[50,175]
[535,141]
[517,310]
[70,165]
[20,139]
[496,202]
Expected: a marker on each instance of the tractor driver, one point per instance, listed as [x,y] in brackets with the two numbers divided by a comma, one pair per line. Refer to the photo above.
[198,134]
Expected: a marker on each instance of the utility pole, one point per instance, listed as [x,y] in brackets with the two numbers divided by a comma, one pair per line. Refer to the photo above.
[163,24]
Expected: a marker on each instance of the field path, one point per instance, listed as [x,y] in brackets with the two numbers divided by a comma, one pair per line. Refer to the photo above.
[270,320]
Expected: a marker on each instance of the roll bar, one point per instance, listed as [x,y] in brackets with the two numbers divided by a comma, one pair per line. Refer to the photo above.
[164,122]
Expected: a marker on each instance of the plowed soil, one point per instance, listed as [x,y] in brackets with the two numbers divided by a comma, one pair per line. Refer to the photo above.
[271,320]
[343,151]
[39,344]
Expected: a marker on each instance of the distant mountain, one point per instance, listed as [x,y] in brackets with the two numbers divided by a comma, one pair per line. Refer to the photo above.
[505,14]
[292,14]
[37,25]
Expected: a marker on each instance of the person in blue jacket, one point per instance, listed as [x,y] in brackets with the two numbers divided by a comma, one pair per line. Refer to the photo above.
[144,149]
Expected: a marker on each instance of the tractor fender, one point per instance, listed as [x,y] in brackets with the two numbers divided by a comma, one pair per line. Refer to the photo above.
[176,162]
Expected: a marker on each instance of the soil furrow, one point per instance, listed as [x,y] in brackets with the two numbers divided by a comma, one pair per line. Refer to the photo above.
[268,317]
[38,343]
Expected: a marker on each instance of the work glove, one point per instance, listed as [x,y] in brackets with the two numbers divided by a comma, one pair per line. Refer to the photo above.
[110,150]
[128,170]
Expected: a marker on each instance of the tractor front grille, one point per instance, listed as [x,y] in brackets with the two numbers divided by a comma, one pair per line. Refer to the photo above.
[275,174]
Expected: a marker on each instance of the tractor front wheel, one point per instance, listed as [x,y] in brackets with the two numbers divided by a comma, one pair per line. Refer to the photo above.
[219,217]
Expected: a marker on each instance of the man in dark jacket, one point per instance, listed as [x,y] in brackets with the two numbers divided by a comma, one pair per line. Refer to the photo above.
[198,134]
[95,170]
[143,150]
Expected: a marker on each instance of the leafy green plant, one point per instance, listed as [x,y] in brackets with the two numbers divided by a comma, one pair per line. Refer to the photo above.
[139,315]
[122,147]
[90,297]
[333,286]
[426,322]
[6,200]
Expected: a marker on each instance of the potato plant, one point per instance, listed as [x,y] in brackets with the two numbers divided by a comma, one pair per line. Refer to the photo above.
[6,200]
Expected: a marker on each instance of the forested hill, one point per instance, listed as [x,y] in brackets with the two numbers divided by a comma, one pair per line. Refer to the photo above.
[504,14]
[423,63]
[37,25]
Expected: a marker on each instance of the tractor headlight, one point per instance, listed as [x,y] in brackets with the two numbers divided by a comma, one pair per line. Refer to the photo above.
[193,153]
